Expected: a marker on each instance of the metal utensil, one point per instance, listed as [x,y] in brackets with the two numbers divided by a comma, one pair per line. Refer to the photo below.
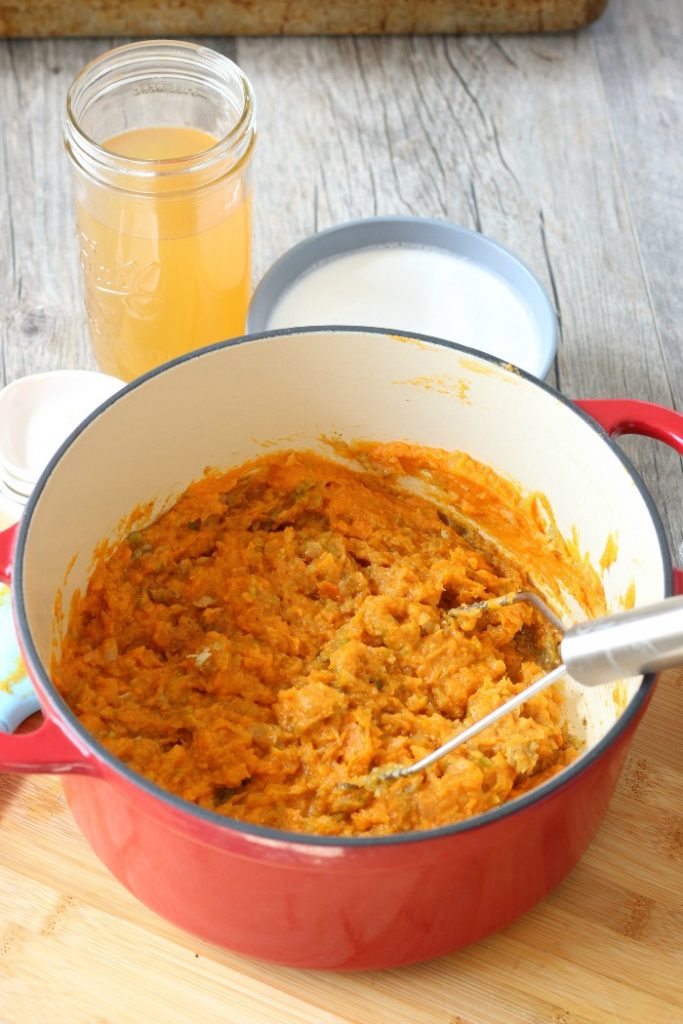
[601,650]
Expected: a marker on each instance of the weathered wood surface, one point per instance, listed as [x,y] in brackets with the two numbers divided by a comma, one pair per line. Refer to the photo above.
[565,148]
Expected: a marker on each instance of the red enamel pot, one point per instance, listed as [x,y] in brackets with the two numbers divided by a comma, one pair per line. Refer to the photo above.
[319,901]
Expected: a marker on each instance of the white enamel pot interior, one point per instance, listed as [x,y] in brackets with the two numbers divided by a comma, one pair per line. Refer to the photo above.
[232,402]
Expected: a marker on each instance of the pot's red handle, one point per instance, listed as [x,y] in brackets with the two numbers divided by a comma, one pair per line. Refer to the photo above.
[8,539]
[630,416]
[46,750]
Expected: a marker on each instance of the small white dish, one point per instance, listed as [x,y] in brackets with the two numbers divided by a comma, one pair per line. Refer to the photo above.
[11,505]
[37,413]
[14,485]
[15,490]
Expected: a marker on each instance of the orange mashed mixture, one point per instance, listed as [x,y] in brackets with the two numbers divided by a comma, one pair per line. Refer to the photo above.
[288,626]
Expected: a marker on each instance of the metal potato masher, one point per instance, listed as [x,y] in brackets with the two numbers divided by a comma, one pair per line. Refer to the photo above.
[598,651]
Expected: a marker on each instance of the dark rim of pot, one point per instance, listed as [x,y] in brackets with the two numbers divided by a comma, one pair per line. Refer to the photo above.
[542,792]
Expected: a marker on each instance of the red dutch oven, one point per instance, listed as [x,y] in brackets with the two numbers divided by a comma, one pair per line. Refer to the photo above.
[320,901]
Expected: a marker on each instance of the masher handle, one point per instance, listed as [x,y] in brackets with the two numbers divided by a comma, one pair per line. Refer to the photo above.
[629,643]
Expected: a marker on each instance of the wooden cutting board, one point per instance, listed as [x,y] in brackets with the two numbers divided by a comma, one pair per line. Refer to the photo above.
[605,948]
[150,18]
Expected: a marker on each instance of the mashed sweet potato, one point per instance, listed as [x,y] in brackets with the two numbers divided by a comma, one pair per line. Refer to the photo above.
[289,625]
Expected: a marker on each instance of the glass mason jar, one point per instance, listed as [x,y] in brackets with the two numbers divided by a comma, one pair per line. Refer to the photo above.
[160,136]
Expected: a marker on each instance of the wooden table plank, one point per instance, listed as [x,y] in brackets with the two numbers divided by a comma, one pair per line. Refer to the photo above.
[42,320]
[640,59]
[641,65]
